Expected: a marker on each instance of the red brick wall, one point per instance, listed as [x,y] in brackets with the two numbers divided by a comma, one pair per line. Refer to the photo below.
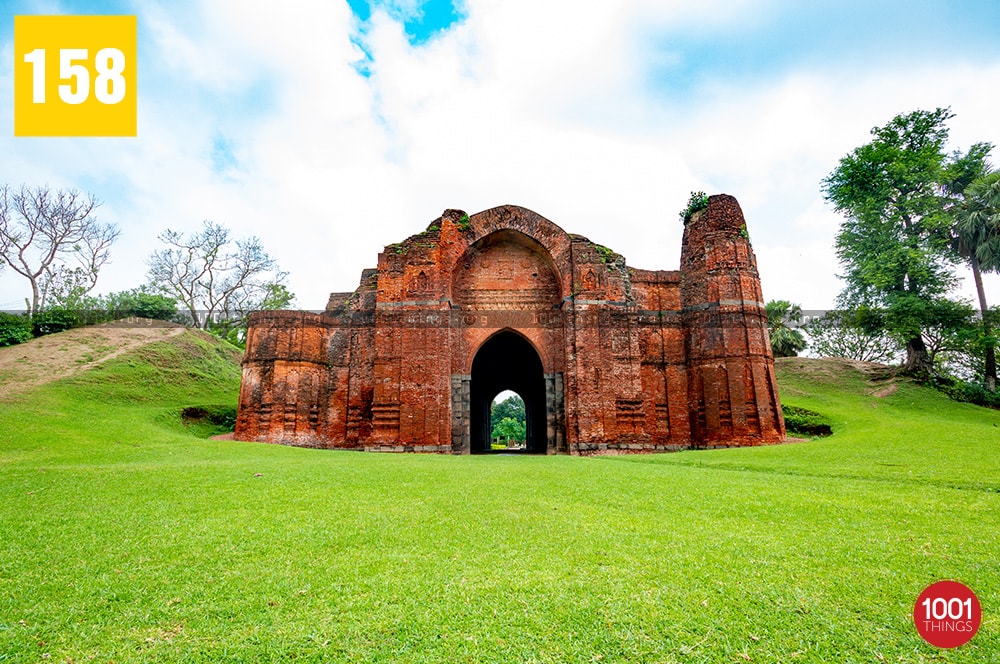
[633,360]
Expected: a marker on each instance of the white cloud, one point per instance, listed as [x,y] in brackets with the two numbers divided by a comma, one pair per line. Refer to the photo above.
[541,104]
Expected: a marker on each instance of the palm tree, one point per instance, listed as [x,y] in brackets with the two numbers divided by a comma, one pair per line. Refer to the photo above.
[977,235]
[785,342]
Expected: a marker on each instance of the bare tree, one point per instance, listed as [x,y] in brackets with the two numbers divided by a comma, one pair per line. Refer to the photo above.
[51,238]
[218,280]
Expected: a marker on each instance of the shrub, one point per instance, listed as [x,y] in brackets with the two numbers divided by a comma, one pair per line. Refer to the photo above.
[208,421]
[139,303]
[697,201]
[961,390]
[805,422]
[14,329]
[55,319]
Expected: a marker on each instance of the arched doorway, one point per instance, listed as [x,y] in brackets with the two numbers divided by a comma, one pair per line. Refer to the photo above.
[507,361]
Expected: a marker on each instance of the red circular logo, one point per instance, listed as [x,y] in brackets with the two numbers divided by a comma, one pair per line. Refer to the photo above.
[947,614]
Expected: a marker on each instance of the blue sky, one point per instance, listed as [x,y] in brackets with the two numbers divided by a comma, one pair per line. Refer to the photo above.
[331,129]
[421,22]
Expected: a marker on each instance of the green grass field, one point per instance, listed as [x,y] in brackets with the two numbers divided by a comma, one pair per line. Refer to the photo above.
[126,537]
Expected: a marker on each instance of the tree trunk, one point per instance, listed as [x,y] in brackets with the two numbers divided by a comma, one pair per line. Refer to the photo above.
[35,297]
[918,360]
[991,359]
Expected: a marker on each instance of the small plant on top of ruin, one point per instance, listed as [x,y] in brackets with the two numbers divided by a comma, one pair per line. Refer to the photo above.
[697,201]
[606,255]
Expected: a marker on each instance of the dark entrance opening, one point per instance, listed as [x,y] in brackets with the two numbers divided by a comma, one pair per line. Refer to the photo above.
[507,362]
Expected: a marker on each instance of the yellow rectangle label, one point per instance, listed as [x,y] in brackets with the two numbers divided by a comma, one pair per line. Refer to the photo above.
[75,76]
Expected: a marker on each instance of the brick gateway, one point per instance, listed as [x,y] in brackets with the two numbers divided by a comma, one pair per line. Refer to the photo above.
[606,357]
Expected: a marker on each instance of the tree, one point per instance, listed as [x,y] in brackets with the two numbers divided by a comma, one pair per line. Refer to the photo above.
[895,240]
[785,342]
[951,335]
[510,429]
[52,239]
[219,281]
[976,235]
[857,334]
[512,407]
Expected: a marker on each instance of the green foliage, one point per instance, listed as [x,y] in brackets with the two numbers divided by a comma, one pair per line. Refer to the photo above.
[895,243]
[969,392]
[962,351]
[55,318]
[978,220]
[894,239]
[71,309]
[606,254]
[805,422]
[950,329]
[976,233]
[14,329]
[512,411]
[785,341]
[697,201]
[463,223]
[509,429]
[135,303]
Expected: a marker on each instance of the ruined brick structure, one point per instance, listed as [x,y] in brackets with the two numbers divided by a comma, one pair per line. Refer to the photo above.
[605,356]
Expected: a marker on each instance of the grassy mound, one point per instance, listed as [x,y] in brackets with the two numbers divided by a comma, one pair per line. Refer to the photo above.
[127,538]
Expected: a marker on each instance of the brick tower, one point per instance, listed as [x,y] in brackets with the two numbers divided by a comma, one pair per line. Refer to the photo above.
[732,392]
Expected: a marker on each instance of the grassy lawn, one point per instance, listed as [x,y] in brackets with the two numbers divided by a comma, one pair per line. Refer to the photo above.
[126,538]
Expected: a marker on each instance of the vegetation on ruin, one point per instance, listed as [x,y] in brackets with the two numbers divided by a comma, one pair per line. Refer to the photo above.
[697,201]
[606,255]
[127,538]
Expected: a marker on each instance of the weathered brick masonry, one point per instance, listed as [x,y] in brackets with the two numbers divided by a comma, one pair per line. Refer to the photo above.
[606,357]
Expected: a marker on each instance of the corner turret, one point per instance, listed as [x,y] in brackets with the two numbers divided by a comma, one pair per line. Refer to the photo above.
[733,396]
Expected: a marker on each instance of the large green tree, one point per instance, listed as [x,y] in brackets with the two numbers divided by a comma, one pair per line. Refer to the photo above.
[895,241]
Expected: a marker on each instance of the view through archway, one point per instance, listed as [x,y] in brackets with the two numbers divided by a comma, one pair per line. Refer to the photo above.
[508,431]
[507,362]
